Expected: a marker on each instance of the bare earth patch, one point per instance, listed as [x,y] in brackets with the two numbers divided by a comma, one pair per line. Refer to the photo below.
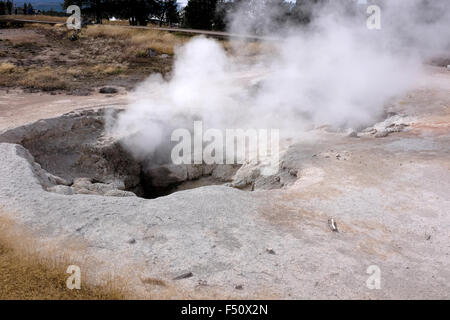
[42,58]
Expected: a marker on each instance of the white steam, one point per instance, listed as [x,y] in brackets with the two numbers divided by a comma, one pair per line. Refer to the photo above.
[335,72]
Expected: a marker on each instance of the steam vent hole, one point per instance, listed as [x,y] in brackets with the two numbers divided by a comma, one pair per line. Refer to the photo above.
[75,156]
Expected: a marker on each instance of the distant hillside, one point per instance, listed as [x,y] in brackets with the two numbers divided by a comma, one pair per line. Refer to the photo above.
[43,4]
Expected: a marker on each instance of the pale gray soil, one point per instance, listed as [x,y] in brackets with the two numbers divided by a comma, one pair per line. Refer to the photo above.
[18,108]
[389,197]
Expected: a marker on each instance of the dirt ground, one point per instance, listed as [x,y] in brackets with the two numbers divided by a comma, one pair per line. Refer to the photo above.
[43,58]
[18,107]
[44,74]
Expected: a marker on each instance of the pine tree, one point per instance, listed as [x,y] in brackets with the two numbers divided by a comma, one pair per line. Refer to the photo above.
[9,7]
[137,12]
[223,9]
[29,9]
[2,8]
[171,12]
[278,13]
[199,14]
[302,12]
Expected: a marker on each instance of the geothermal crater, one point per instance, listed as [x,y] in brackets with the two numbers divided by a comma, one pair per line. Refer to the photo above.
[78,157]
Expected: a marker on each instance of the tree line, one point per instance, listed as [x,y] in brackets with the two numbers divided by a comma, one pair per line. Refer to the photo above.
[137,12]
[198,14]
[217,14]
[6,7]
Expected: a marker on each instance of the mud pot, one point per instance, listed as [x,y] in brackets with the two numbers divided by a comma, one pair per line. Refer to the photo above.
[82,158]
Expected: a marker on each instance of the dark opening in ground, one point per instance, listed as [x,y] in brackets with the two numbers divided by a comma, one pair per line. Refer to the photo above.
[74,148]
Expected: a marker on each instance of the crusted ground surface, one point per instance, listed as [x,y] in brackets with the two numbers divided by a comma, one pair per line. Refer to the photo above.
[386,189]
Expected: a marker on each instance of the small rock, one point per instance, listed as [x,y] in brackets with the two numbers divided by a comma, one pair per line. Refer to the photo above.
[117,185]
[151,53]
[333,226]
[370,130]
[270,251]
[202,283]
[239,287]
[108,90]
[353,134]
[85,192]
[101,188]
[131,241]
[73,37]
[428,237]
[382,134]
[81,182]
[119,194]
[293,172]
[64,190]
[184,276]
[56,180]
[396,128]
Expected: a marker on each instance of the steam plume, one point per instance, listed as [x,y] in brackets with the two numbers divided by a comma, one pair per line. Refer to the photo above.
[334,71]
